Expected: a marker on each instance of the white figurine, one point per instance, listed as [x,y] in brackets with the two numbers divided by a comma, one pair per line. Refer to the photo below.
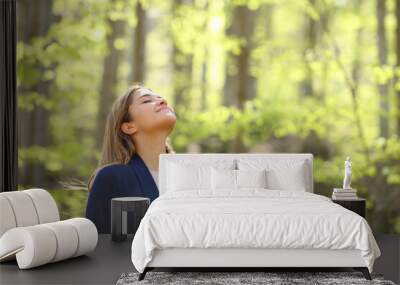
[347,174]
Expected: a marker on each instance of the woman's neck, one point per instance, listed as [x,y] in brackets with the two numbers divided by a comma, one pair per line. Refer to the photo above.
[149,149]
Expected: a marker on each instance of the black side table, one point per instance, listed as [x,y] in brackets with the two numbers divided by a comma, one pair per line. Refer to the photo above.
[119,208]
[356,205]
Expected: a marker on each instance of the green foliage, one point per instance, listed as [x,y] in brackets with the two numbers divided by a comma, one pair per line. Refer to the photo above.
[70,58]
[71,204]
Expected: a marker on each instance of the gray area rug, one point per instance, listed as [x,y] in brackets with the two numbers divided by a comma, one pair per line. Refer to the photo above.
[228,278]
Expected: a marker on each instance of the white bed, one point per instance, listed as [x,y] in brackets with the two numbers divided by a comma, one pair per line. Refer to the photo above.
[197,222]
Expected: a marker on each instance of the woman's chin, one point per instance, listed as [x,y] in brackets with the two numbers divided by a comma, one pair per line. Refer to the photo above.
[171,120]
[167,121]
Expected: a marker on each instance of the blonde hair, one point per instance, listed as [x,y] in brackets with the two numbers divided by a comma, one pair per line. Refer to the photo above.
[118,147]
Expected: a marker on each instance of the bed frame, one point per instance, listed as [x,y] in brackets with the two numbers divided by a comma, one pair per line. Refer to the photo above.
[251,257]
[242,258]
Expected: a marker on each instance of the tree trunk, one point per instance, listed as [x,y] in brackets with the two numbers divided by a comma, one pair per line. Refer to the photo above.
[240,85]
[182,69]
[110,76]
[182,65]
[310,44]
[321,147]
[356,74]
[269,28]
[33,125]
[398,63]
[138,64]
[325,22]
[382,51]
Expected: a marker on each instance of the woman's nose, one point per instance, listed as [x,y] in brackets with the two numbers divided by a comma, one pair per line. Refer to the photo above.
[163,101]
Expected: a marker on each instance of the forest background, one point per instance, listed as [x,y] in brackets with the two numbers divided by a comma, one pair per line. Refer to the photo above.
[274,76]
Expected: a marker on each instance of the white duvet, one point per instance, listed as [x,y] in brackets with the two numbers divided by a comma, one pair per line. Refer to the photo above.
[253,218]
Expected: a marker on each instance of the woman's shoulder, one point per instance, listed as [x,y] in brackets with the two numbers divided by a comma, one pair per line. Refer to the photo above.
[112,169]
[109,174]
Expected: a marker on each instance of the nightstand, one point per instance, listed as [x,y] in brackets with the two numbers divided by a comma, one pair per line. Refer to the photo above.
[356,205]
[119,215]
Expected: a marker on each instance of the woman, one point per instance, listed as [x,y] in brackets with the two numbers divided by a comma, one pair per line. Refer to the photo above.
[136,134]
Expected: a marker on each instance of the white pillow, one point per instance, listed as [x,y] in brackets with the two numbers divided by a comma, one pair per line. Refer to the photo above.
[223,179]
[293,179]
[251,178]
[282,174]
[228,179]
[183,178]
[184,174]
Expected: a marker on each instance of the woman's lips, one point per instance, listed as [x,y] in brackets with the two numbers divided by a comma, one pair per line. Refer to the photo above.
[164,108]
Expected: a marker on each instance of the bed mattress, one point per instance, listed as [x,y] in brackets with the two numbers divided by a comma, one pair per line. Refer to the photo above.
[250,219]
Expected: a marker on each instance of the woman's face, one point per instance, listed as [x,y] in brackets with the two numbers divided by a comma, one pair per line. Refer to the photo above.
[150,112]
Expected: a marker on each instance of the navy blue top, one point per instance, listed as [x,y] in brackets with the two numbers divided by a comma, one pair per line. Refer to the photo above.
[118,180]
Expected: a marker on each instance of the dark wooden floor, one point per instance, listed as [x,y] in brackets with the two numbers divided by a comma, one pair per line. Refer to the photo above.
[102,266]
[110,260]
[389,262]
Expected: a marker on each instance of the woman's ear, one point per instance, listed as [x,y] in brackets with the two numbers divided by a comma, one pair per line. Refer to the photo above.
[128,128]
